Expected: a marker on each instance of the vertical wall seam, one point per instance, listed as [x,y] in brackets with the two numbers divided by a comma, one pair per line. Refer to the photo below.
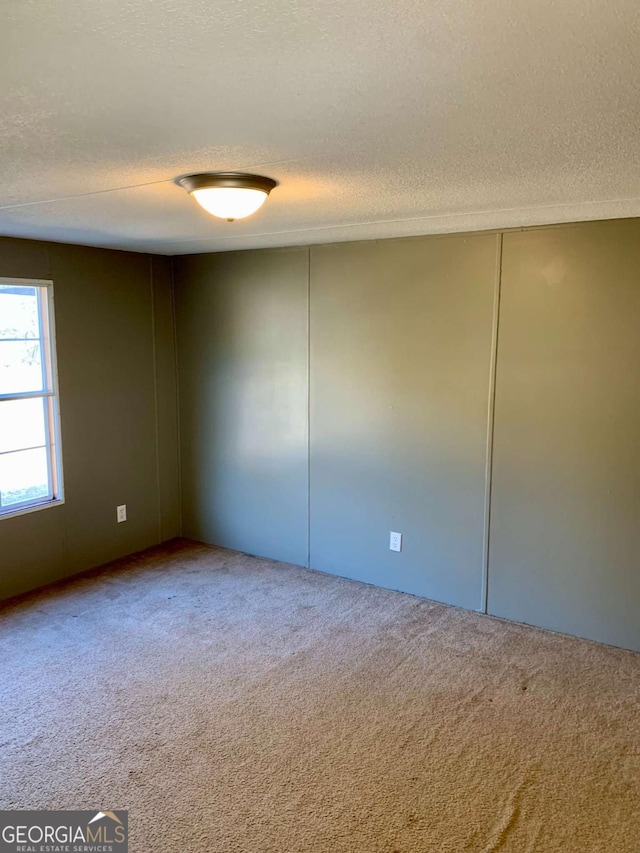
[64,507]
[155,396]
[309,408]
[174,326]
[488,477]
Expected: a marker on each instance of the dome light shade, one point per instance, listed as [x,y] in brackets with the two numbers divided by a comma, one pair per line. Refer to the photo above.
[230,202]
[228,195]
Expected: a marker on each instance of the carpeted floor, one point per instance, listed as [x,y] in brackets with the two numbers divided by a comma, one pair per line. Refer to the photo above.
[238,704]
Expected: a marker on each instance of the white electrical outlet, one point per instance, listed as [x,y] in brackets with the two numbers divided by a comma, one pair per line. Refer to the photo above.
[121,513]
[395,541]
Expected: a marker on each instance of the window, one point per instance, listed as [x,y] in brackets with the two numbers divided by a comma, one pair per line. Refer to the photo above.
[30,457]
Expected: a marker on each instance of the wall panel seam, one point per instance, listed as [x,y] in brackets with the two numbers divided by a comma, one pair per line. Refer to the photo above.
[309,407]
[63,508]
[493,363]
[155,396]
[174,327]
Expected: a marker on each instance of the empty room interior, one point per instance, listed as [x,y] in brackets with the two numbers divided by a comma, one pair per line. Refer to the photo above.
[320,426]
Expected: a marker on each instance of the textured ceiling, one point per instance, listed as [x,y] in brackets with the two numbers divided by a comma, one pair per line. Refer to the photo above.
[377,117]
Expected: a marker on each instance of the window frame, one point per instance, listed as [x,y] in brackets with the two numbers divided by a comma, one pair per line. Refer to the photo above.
[49,393]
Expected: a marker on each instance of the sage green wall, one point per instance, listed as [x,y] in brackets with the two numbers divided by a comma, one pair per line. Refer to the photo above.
[400,341]
[117,377]
[401,354]
[401,335]
[242,338]
[565,520]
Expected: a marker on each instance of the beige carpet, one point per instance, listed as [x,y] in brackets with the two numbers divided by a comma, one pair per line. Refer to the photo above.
[237,704]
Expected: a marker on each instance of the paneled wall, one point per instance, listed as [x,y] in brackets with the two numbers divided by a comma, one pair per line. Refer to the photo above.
[117,377]
[565,520]
[242,332]
[401,336]
[398,393]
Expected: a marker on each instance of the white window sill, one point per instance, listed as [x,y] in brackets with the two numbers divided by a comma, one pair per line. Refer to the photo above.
[23,510]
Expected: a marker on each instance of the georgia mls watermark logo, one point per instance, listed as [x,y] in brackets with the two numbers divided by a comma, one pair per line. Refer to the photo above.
[63,832]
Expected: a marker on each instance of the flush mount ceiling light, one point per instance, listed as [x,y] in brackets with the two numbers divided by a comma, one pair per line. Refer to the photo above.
[228,195]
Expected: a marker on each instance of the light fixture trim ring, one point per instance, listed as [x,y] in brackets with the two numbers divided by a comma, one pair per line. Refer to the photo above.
[232,180]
